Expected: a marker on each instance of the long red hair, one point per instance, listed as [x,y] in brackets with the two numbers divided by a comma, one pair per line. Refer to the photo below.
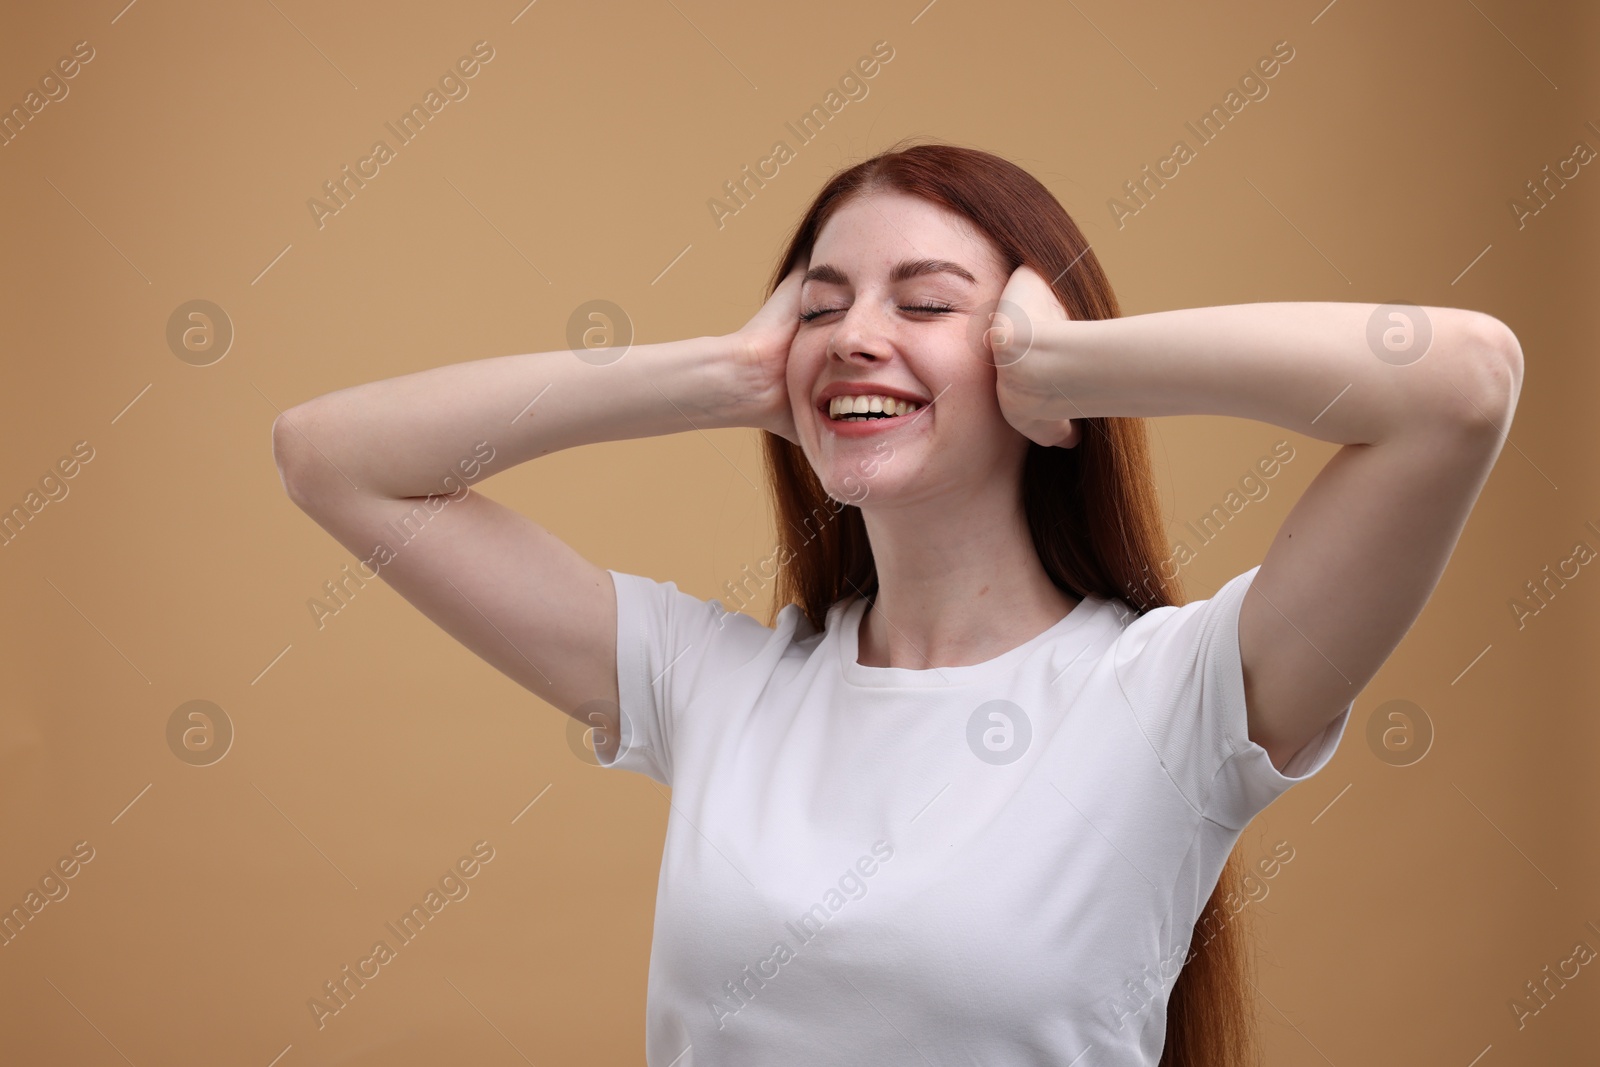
[1092,510]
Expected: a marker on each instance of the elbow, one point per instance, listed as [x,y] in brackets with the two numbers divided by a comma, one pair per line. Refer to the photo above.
[289,445]
[1486,375]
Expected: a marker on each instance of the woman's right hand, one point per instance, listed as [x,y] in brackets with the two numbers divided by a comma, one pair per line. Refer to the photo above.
[761,349]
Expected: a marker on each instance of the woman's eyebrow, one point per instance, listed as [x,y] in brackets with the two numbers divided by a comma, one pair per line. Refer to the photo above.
[903,271]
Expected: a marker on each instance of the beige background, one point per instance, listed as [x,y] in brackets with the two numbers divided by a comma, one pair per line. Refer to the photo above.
[372,753]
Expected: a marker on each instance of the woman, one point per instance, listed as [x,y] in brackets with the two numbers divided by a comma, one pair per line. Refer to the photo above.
[972,796]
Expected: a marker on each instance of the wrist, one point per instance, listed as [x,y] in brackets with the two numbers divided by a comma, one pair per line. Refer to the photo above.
[1032,371]
[693,374]
[738,383]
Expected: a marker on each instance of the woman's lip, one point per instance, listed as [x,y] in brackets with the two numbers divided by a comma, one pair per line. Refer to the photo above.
[868,427]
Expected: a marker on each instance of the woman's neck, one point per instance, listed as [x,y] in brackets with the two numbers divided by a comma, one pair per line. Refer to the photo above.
[955,596]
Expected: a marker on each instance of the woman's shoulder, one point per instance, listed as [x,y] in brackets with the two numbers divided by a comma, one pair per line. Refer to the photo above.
[724,624]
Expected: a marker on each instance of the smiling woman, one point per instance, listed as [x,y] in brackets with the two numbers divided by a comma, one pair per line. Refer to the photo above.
[904,260]
[980,663]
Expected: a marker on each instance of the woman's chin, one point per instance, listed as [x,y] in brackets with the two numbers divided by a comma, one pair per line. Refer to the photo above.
[850,484]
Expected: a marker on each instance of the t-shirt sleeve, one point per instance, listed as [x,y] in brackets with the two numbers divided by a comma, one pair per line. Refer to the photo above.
[673,650]
[1180,671]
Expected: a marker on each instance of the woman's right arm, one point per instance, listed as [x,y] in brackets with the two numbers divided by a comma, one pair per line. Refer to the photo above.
[384,467]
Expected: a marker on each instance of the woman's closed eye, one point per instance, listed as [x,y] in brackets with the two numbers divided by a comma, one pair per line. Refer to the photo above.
[812,313]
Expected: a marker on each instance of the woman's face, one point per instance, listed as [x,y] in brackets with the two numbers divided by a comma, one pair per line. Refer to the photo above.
[877,264]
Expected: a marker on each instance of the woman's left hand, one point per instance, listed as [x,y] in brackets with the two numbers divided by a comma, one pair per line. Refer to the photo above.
[1022,383]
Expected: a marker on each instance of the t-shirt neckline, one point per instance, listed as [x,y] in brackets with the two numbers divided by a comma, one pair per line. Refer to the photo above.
[848,621]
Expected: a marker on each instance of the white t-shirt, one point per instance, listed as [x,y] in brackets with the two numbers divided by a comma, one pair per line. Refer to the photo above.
[999,864]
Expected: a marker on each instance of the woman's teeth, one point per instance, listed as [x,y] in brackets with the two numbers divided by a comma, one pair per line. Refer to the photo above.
[860,408]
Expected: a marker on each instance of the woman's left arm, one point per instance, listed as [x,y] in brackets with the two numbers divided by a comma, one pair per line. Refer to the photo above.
[1361,551]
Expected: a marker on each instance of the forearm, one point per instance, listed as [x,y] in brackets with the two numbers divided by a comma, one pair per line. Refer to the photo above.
[402,436]
[1304,366]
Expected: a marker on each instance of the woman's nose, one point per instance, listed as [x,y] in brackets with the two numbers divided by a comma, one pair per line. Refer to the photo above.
[860,334]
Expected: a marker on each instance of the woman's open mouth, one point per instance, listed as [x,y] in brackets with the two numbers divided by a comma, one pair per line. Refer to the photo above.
[850,408]
[853,416]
